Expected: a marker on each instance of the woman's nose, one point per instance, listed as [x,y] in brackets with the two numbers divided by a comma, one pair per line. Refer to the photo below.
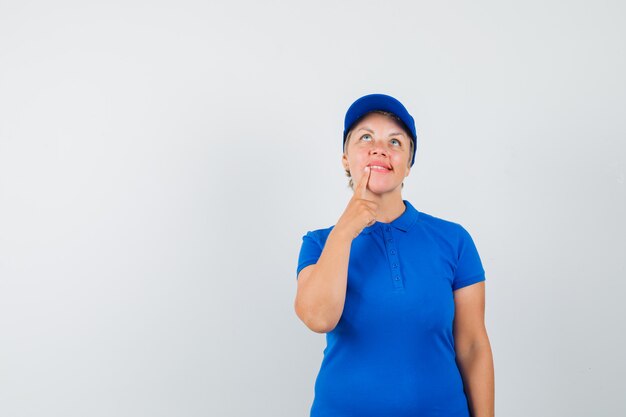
[378,149]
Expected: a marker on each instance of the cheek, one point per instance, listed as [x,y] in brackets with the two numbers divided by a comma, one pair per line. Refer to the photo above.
[399,160]
[357,156]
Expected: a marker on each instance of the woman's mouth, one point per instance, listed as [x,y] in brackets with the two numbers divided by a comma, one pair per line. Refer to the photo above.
[378,168]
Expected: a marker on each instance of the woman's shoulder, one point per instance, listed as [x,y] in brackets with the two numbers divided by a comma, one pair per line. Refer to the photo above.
[445,227]
[437,221]
[319,234]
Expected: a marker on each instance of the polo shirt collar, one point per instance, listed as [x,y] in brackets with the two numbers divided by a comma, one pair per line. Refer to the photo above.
[404,222]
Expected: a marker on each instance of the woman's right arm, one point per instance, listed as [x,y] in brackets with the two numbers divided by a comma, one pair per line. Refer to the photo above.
[322,286]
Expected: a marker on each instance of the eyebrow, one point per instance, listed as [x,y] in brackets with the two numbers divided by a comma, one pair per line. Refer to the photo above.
[391,134]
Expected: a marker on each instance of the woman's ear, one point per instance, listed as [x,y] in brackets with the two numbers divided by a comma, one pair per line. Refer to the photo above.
[344,161]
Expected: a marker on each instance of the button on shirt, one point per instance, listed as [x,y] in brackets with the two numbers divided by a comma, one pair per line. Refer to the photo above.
[392,352]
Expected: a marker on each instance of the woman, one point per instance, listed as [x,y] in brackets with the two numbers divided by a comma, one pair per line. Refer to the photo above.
[398,292]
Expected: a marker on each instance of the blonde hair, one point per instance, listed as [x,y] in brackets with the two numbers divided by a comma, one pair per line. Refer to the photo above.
[388,114]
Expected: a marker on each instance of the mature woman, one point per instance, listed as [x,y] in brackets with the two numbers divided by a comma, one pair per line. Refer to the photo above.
[399,293]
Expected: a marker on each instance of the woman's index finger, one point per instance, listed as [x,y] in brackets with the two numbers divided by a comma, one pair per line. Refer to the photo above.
[362,186]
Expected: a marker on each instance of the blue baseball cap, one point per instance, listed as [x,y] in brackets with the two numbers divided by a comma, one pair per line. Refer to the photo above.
[371,102]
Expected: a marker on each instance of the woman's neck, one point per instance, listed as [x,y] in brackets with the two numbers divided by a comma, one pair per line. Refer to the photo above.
[390,206]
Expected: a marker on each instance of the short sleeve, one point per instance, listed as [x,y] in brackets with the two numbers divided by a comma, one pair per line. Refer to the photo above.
[469,268]
[310,251]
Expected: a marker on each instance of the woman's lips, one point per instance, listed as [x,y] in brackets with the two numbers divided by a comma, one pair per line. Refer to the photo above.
[377,169]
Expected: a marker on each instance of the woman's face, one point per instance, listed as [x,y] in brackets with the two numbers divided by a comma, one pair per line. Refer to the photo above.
[378,140]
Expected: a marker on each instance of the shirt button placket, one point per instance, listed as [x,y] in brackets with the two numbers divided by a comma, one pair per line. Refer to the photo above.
[394,261]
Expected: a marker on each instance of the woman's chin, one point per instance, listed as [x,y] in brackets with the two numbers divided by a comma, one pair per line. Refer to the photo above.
[381,188]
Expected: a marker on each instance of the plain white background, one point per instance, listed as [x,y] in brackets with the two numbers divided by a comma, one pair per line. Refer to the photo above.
[160,162]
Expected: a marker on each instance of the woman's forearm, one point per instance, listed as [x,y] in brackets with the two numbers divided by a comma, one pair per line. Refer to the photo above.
[478,379]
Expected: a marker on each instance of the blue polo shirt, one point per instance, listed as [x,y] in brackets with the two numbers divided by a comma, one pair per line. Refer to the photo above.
[392,352]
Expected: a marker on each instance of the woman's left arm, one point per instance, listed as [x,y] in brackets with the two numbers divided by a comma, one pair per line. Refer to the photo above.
[473,350]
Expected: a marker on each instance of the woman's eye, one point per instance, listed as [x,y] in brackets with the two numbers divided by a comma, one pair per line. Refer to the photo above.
[367,135]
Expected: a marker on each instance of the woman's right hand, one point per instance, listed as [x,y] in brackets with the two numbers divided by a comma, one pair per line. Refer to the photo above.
[360,212]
